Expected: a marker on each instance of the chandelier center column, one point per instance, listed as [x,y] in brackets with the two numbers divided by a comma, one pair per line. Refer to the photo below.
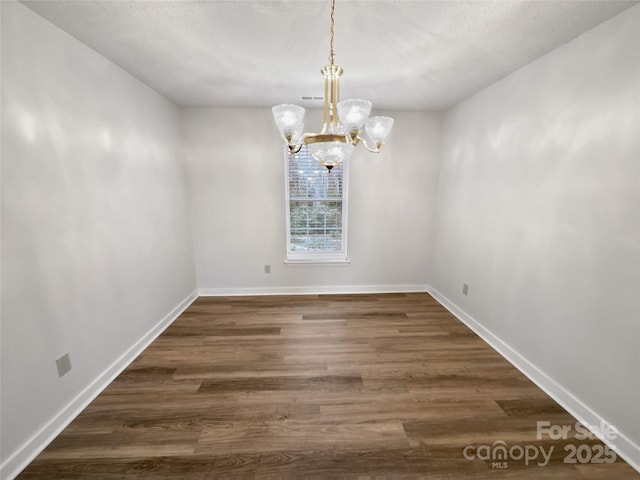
[332,73]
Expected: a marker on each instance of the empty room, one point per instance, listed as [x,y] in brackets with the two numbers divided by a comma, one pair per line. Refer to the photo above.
[320,239]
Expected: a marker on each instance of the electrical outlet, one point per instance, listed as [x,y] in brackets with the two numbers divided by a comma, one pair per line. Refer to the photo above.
[267,269]
[465,289]
[63,364]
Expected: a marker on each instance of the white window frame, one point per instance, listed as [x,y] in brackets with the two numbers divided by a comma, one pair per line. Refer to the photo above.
[315,257]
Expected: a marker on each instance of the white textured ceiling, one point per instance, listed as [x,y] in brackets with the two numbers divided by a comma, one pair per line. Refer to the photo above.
[399,54]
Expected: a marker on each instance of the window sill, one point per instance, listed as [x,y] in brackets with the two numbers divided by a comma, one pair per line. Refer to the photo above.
[320,260]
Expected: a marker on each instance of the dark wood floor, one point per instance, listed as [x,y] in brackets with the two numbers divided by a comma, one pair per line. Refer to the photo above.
[319,386]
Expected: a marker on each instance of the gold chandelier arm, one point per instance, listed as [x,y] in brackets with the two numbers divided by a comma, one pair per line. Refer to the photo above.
[293,149]
[366,145]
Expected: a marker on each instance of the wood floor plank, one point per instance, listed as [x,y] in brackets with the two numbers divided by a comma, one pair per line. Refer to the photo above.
[296,384]
[292,436]
[376,386]
[371,411]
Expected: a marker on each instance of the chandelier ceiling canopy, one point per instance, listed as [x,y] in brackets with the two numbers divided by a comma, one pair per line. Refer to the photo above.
[342,122]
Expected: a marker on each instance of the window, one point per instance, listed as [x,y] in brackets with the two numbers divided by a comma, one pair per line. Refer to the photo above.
[316,210]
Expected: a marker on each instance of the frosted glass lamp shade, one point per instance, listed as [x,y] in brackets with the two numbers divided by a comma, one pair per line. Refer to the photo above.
[330,154]
[378,129]
[353,113]
[289,119]
[296,135]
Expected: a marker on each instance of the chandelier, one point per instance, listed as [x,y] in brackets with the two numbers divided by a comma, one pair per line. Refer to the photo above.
[342,122]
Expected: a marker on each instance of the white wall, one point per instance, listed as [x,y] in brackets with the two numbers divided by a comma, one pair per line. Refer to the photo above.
[95,243]
[539,212]
[236,182]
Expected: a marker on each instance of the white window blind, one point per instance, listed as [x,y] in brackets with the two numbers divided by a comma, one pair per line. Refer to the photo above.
[316,209]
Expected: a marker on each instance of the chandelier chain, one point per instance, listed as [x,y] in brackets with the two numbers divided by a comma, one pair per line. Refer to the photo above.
[333,19]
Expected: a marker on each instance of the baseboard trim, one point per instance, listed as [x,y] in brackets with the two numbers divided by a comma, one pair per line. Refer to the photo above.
[20,459]
[623,445]
[312,290]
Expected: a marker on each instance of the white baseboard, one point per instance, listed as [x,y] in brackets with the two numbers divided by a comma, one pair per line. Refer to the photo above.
[19,460]
[312,290]
[623,445]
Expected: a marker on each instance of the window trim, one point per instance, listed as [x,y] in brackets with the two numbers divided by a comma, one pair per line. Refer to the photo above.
[316,258]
